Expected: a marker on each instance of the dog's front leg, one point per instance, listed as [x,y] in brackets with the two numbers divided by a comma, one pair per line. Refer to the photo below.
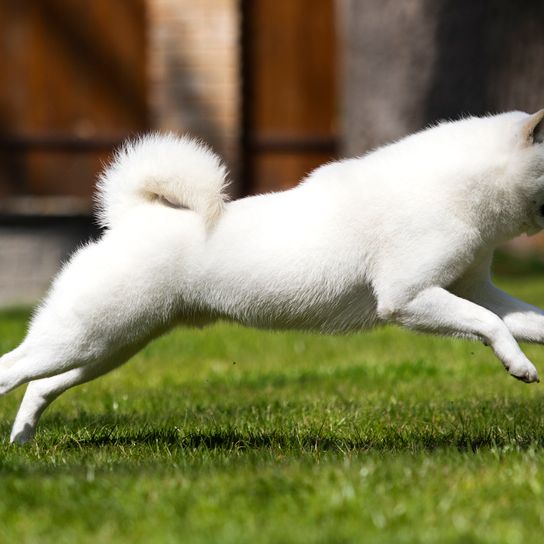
[525,322]
[435,309]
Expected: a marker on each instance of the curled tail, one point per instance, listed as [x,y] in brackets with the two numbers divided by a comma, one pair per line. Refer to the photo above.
[165,168]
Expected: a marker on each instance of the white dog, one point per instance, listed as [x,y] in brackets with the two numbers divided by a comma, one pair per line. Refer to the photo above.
[403,235]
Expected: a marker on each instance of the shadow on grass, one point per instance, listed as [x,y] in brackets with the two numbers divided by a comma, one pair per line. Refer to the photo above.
[125,443]
[459,426]
[300,442]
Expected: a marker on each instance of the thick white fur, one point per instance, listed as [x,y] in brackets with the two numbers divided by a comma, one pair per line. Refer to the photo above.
[143,171]
[403,235]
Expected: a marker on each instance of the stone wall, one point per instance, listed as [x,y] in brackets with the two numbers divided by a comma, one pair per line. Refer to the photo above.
[194,70]
[32,252]
[407,64]
[387,57]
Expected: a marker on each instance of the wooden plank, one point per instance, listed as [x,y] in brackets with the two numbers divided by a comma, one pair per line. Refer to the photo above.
[276,172]
[290,70]
[79,72]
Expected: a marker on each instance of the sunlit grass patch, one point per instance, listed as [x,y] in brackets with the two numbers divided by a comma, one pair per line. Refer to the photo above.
[235,435]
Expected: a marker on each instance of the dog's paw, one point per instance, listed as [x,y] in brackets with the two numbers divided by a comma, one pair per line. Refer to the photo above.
[526,373]
[21,435]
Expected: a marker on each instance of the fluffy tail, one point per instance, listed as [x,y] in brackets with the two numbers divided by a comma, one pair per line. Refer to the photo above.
[174,170]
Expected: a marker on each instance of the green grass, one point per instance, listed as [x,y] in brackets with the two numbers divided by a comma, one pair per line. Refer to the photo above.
[229,435]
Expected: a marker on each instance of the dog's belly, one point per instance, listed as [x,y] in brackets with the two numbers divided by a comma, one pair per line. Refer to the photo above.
[351,309]
[293,260]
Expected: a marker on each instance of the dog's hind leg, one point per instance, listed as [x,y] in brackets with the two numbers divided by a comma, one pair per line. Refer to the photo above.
[11,357]
[41,393]
[28,368]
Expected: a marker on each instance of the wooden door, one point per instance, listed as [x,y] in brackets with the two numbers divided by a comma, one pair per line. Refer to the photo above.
[290,97]
[73,85]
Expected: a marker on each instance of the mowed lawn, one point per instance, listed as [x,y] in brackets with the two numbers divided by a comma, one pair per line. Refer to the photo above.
[230,435]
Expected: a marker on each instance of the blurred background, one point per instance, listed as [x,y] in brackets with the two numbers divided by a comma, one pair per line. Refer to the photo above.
[277,87]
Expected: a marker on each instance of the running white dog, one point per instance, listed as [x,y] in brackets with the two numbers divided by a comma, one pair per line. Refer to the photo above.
[403,235]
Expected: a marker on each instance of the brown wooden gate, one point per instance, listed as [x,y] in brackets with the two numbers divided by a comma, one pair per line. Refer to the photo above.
[73,85]
[289,77]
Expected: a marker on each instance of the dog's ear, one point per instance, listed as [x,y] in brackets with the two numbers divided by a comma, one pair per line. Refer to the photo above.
[533,128]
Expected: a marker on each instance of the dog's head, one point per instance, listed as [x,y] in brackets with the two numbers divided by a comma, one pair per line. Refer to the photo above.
[518,143]
[527,166]
[496,163]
